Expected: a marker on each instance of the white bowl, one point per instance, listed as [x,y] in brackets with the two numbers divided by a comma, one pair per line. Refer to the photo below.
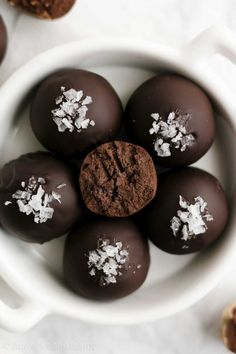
[174,282]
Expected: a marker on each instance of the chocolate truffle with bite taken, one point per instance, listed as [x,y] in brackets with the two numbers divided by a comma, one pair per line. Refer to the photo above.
[74,111]
[38,198]
[189,213]
[105,259]
[117,179]
[172,118]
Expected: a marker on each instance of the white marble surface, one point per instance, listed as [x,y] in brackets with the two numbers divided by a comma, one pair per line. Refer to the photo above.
[171,22]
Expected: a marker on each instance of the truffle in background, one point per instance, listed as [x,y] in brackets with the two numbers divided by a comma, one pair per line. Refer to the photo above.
[118,179]
[228,327]
[189,213]
[3,39]
[46,9]
[38,198]
[74,111]
[105,259]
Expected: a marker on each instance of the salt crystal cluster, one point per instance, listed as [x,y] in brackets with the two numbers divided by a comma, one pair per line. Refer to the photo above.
[171,133]
[32,199]
[107,261]
[191,218]
[71,113]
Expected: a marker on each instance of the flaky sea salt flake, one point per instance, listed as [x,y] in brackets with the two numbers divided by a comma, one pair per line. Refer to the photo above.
[71,111]
[191,218]
[63,185]
[106,261]
[171,133]
[33,199]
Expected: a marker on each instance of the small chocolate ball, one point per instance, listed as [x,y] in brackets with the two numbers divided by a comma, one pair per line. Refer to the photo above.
[173,118]
[3,39]
[117,179]
[38,198]
[189,213]
[228,327]
[74,111]
[105,259]
[47,9]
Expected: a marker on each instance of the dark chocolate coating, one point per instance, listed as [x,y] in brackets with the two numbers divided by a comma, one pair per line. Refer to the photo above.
[85,238]
[118,179]
[3,39]
[47,9]
[105,111]
[165,94]
[189,183]
[56,173]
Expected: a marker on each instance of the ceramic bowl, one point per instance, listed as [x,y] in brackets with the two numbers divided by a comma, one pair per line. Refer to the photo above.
[34,272]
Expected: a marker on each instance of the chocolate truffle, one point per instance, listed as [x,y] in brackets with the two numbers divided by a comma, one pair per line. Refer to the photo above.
[74,111]
[47,9]
[117,179]
[228,327]
[189,212]
[105,259]
[3,39]
[173,118]
[38,198]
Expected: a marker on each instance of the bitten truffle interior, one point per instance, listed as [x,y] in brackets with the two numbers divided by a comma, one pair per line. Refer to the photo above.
[117,179]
